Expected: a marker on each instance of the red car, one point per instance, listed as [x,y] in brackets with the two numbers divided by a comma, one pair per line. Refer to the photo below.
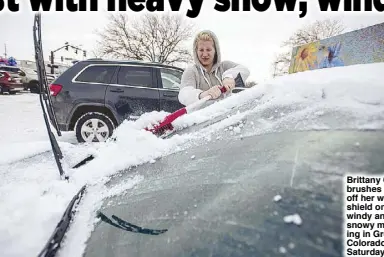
[10,83]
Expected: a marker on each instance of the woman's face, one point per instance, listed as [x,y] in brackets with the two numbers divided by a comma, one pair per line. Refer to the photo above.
[206,52]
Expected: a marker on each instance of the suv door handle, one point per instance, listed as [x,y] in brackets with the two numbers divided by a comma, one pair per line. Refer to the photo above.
[170,95]
[117,90]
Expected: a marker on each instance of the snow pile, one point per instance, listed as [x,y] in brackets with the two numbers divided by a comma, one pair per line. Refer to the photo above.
[357,88]
[32,193]
[16,151]
[341,98]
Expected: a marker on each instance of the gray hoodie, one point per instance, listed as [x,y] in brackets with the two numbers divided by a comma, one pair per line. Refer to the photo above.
[196,79]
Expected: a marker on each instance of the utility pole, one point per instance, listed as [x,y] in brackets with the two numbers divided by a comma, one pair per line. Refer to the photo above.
[52,63]
[5,50]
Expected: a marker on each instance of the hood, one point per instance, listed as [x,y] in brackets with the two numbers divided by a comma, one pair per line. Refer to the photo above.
[217,59]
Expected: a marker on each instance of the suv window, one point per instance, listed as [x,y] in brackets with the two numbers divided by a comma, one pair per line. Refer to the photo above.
[97,74]
[171,79]
[11,69]
[135,76]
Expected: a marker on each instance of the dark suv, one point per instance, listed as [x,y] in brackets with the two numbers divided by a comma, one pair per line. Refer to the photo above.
[94,96]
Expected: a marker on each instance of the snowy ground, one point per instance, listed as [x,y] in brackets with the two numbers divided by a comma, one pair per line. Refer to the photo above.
[33,197]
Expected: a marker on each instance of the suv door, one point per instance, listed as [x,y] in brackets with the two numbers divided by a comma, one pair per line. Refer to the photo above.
[88,87]
[133,92]
[169,87]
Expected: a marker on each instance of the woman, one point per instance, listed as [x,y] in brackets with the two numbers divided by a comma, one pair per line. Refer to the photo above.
[208,73]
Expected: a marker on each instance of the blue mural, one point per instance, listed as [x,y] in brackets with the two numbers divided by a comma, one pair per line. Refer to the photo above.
[356,47]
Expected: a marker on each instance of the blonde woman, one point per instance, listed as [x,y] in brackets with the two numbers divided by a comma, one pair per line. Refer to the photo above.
[209,72]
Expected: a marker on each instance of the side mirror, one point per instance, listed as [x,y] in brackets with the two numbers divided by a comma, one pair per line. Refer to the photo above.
[22,73]
[239,81]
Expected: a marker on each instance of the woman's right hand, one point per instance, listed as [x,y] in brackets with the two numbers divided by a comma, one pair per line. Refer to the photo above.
[214,92]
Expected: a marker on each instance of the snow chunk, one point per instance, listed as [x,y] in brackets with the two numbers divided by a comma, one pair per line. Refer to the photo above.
[237,130]
[295,218]
[277,198]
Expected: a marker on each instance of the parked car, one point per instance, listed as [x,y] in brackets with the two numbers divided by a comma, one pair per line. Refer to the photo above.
[10,82]
[101,94]
[31,80]
[28,77]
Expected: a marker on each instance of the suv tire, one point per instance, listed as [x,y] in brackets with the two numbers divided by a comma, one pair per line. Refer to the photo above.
[85,131]
[34,87]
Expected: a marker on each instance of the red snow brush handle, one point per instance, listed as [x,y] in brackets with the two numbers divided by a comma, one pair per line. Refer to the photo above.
[166,124]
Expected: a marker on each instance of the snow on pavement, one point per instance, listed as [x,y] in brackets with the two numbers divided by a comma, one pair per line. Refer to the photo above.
[34,198]
[23,132]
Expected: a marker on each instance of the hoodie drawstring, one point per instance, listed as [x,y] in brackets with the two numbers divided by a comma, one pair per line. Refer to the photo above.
[206,79]
[218,78]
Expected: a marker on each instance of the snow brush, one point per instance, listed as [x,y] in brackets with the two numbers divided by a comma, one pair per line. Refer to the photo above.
[166,124]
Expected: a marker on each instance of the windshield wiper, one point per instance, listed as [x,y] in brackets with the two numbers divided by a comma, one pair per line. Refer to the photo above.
[122,224]
[54,242]
[45,97]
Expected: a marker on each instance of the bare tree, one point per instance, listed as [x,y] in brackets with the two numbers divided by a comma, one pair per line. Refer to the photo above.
[95,54]
[316,31]
[155,38]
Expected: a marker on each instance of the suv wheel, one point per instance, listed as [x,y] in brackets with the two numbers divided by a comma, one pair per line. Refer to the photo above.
[94,127]
[34,87]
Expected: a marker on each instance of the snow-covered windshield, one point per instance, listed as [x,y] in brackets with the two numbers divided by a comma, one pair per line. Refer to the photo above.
[265,195]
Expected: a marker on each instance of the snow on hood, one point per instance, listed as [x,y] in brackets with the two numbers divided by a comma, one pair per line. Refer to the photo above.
[32,193]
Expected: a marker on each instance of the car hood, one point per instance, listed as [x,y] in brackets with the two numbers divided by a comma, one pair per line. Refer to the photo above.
[256,196]
[14,75]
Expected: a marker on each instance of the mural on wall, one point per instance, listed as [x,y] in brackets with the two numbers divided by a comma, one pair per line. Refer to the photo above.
[356,47]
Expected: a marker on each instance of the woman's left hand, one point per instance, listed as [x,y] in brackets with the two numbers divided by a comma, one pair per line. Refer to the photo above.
[229,84]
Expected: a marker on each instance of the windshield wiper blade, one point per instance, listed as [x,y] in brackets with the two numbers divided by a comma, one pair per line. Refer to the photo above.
[122,224]
[54,242]
[44,95]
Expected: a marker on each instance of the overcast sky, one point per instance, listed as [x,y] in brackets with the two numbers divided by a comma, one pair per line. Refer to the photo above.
[251,38]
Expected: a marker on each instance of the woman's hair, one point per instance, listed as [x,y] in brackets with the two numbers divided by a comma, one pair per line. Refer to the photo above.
[204,36]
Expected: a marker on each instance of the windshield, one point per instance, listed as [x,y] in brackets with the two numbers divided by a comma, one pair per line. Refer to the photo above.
[10,69]
[257,196]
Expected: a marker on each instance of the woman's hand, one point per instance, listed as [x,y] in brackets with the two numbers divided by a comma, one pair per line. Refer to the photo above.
[214,92]
[229,84]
